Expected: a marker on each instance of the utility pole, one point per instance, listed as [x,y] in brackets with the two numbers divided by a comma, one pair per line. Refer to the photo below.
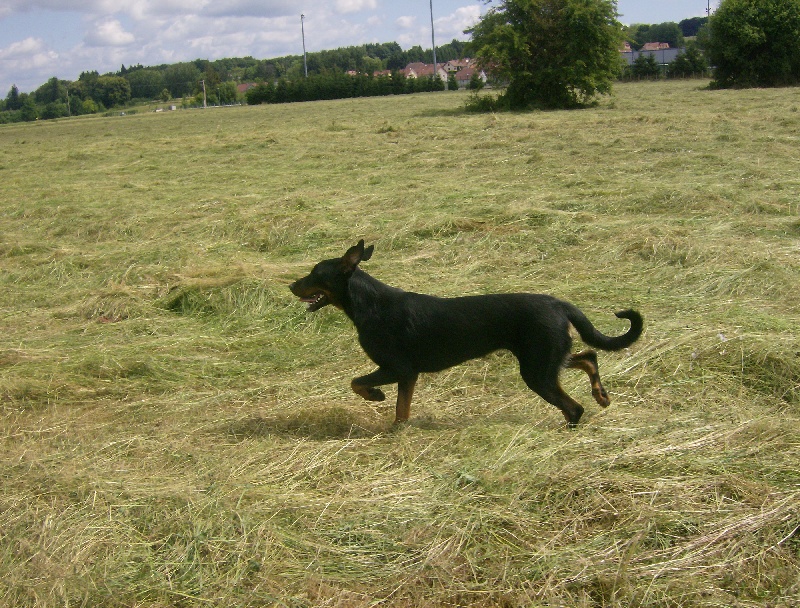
[303,32]
[433,43]
[204,92]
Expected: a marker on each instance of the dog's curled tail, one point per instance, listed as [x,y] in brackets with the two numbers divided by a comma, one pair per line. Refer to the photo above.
[592,337]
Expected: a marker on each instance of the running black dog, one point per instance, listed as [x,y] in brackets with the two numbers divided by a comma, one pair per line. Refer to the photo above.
[409,333]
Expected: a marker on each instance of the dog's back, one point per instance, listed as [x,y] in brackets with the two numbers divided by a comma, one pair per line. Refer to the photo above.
[431,334]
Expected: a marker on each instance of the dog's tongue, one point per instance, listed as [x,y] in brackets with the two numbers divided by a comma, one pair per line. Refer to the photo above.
[313,300]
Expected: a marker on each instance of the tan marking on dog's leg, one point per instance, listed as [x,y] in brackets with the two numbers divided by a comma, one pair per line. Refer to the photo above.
[587,361]
[405,391]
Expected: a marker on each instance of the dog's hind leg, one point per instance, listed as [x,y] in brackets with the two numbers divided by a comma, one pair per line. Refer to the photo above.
[545,383]
[587,361]
[405,391]
[571,409]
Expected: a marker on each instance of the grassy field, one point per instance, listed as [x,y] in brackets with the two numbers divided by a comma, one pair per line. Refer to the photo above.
[178,431]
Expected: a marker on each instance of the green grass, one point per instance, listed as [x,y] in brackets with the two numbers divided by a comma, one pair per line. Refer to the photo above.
[177,430]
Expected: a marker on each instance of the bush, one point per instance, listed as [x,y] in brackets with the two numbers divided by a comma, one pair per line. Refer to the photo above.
[484,103]
[90,106]
[646,66]
[54,109]
[476,82]
[689,63]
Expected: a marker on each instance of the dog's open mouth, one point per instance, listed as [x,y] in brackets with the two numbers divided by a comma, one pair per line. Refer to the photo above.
[315,301]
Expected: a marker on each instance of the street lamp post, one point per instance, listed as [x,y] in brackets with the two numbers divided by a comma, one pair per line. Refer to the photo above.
[433,42]
[303,32]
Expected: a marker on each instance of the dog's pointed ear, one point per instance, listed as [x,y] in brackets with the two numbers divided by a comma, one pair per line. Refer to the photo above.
[356,254]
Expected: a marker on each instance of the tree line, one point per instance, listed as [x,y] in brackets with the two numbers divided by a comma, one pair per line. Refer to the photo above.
[279,80]
[339,85]
[675,34]
[186,81]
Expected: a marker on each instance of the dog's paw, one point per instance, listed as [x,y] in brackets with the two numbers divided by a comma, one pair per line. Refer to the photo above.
[375,394]
[601,396]
[370,393]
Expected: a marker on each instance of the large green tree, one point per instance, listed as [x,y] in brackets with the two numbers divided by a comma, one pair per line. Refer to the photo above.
[754,43]
[113,91]
[28,111]
[668,32]
[145,83]
[552,53]
[182,79]
[13,101]
[690,27]
[51,91]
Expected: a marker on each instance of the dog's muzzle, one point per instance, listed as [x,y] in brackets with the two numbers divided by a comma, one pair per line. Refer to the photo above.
[314,299]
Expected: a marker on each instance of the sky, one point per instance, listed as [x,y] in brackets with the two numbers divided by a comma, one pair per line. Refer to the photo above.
[40,39]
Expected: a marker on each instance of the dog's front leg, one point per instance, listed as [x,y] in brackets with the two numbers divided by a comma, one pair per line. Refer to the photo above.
[405,391]
[365,385]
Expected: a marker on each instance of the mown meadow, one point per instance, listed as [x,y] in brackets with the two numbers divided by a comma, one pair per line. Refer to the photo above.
[177,430]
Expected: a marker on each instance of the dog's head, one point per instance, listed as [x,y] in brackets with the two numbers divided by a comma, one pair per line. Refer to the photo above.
[327,281]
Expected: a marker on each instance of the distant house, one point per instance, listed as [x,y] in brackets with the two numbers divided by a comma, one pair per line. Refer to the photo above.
[423,70]
[456,65]
[464,76]
[244,87]
[412,70]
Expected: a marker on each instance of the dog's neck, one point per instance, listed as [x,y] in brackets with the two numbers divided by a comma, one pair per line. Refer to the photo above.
[365,297]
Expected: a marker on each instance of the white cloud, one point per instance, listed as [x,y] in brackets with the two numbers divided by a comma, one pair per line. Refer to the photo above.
[84,7]
[27,54]
[355,6]
[20,59]
[406,22]
[22,48]
[416,30]
[155,9]
[109,32]
[251,8]
[453,25]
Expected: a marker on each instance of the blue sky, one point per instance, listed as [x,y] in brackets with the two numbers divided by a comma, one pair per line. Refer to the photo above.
[44,38]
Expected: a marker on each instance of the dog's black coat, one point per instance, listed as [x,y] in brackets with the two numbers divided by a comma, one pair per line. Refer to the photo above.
[407,333]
